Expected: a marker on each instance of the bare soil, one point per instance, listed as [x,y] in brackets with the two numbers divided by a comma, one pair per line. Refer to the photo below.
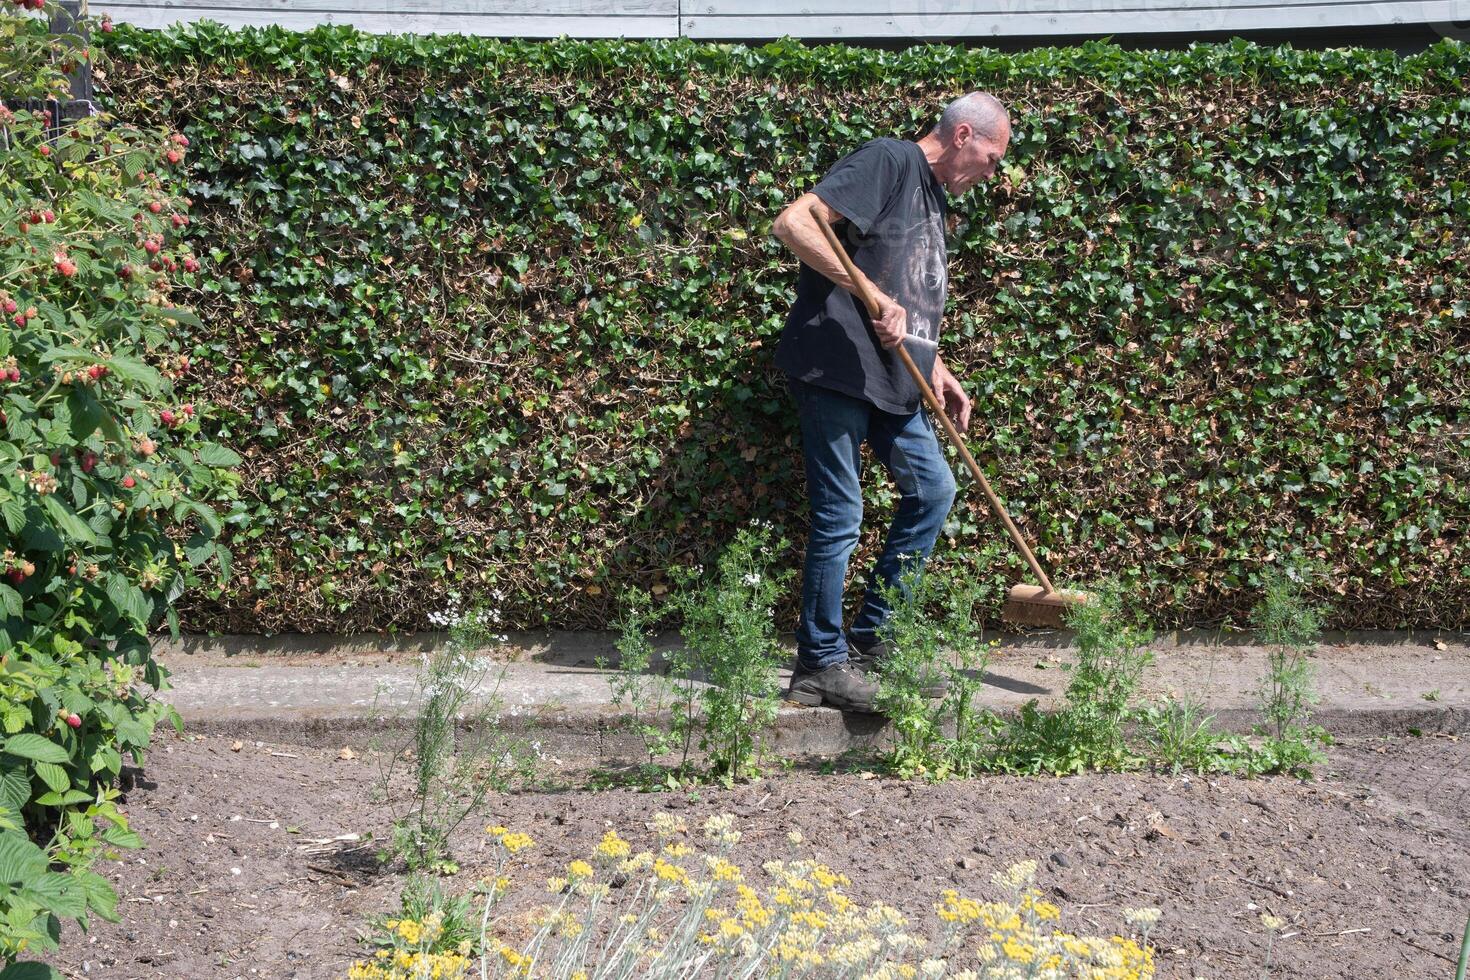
[1369,864]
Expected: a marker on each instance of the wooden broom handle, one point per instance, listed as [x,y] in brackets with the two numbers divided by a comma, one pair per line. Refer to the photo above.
[866,295]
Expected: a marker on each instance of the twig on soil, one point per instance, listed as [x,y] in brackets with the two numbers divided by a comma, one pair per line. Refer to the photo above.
[1261,884]
[286,755]
[1320,935]
[336,875]
[1431,952]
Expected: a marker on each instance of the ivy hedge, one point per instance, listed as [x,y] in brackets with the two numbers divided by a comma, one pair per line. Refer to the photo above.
[499,316]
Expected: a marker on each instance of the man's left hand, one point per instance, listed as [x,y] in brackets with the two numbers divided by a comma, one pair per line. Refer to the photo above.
[956,403]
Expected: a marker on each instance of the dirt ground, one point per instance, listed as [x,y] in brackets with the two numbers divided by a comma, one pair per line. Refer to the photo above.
[1369,864]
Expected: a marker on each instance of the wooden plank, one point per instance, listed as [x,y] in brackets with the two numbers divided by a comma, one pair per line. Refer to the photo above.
[1056,22]
[154,17]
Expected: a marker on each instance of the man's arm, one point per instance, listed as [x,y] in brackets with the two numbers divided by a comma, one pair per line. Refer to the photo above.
[947,389]
[798,229]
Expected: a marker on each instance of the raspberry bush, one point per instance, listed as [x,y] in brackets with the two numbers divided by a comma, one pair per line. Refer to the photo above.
[107,482]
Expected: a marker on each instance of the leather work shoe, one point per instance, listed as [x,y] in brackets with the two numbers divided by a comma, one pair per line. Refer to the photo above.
[841,686]
[869,657]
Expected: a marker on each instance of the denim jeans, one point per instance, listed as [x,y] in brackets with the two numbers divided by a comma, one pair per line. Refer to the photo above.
[833,428]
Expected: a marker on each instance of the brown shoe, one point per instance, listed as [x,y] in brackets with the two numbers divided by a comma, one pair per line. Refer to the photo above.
[841,686]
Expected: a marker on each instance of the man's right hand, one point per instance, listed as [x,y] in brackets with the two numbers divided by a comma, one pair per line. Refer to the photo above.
[892,323]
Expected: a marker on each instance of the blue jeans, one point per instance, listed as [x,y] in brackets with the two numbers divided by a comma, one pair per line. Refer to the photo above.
[833,427]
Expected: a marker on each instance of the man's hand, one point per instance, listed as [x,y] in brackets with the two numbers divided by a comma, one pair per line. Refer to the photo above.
[892,323]
[947,389]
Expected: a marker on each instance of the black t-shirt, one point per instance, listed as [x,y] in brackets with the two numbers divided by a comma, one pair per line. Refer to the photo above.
[895,208]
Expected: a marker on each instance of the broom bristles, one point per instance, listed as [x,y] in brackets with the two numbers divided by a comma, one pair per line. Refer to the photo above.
[1032,605]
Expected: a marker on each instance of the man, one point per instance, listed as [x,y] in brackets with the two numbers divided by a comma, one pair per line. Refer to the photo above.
[887,203]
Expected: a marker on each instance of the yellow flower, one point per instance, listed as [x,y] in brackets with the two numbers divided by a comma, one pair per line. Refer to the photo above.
[613,847]
[721,829]
[670,872]
[1272,922]
[723,870]
[579,870]
[1016,875]
[1141,917]
[639,862]
[517,842]
[667,825]
[1047,912]
[678,850]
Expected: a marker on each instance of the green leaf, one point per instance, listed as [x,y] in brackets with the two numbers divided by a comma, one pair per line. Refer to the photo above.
[185,317]
[57,798]
[86,413]
[14,513]
[60,894]
[76,529]
[53,776]
[213,454]
[15,786]
[132,369]
[128,598]
[19,858]
[10,601]
[101,897]
[29,745]
[29,971]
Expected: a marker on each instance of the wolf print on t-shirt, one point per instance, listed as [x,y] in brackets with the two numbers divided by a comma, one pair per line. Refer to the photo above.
[915,272]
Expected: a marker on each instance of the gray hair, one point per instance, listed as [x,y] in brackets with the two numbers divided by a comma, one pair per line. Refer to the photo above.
[982,111]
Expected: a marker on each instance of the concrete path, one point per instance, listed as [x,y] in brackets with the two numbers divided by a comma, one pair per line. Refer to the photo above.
[307,690]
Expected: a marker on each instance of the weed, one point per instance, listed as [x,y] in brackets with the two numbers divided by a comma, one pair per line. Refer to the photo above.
[1289,627]
[1110,662]
[1090,731]
[730,640]
[921,650]
[658,705]
[459,753]
[1182,739]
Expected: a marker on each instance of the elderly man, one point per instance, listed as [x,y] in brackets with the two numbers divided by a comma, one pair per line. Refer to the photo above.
[887,201]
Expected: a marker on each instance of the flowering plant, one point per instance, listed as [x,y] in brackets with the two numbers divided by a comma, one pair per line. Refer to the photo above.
[687,909]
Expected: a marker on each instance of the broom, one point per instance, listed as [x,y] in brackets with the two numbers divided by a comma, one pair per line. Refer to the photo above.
[1026,604]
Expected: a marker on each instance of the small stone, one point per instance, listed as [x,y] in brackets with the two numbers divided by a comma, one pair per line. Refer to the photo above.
[346,753]
[1400,931]
[236,745]
[1226,835]
[968,863]
[1060,860]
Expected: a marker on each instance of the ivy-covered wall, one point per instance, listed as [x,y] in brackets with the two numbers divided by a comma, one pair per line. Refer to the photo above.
[499,315]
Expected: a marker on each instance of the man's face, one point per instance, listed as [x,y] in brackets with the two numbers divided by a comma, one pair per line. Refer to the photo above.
[975,159]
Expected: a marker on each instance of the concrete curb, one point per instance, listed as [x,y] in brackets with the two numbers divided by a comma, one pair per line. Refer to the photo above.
[557,694]
[591,733]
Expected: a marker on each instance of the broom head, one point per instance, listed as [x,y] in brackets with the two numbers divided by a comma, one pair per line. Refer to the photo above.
[1032,605]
